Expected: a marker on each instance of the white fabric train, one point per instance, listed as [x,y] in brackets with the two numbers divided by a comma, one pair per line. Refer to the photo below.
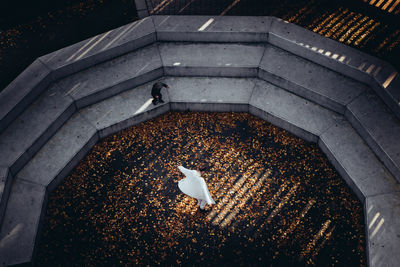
[194,186]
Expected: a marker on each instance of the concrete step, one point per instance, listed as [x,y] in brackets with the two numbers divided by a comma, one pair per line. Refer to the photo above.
[112,77]
[125,109]
[212,28]
[22,91]
[31,130]
[16,97]
[373,184]
[291,112]
[65,149]
[5,187]
[21,223]
[222,60]
[309,80]
[379,127]
[340,58]
[356,162]
[210,93]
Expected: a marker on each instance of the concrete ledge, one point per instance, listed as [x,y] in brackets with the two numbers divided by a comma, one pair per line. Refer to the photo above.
[124,110]
[355,162]
[5,187]
[21,223]
[378,127]
[212,28]
[31,130]
[293,113]
[336,56]
[112,77]
[210,59]
[65,149]
[311,81]
[387,85]
[382,220]
[22,91]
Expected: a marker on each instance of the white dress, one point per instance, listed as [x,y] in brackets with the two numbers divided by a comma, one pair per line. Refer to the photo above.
[194,185]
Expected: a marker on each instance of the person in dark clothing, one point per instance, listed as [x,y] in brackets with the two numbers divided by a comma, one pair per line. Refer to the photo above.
[156,92]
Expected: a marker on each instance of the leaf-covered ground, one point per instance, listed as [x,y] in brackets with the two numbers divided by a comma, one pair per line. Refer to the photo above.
[279,200]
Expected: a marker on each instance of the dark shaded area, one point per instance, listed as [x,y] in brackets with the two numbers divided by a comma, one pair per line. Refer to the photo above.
[279,201]
[30,29]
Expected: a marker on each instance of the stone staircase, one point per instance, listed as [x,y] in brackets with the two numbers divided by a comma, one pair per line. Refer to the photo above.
[320,90]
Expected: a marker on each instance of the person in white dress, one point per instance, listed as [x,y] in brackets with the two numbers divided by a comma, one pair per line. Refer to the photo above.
[194,185]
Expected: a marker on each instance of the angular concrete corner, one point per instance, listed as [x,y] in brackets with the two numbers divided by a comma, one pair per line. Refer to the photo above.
[31,130]
[65,149]
[309,80]
[22,91]
[288,111]
[355,162]
[379,128]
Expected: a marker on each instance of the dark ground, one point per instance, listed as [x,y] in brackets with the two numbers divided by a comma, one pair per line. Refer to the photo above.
[30,29]
[279,201]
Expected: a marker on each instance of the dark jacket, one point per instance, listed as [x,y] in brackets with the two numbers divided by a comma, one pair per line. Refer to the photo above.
[157,88]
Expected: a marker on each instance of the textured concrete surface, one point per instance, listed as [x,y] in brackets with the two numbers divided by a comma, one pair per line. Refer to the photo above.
[356,162]
[21,223]
[210,94]
[324,51]
[383,224]
[31,130]
[124,110]
[5,187]
[212,28]
[387,86]
[101,47]
[379,128]
[233,60]
[22,91]
[126,74]
[308,79]
[338,57]
[111,77]
[293,113]
[76,135]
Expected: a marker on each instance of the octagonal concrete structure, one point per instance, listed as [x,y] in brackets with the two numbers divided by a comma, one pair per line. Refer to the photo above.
[318,89]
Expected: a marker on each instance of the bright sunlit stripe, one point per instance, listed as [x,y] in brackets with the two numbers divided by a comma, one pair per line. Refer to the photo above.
[282,203]
[320,233]
[377,227]
[394,6]
[374,220]
[83,47]
[131,27]
[389,80]
[144,106]
[205,25]
[387,4]
[93,45]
